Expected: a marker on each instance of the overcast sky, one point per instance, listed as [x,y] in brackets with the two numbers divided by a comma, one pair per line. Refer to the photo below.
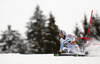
[66,12]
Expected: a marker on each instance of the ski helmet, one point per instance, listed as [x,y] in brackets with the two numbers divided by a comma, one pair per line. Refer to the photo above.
[62,32]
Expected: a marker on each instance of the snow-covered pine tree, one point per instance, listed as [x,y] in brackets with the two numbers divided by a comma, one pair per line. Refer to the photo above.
[12,41]
[78,34]
[94,28]
[51,36]
[36,30]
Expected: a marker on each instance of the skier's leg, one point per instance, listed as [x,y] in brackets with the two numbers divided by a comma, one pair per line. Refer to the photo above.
[75,49]
[66,50]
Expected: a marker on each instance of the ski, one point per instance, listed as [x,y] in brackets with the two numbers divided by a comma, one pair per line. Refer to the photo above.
[69,54]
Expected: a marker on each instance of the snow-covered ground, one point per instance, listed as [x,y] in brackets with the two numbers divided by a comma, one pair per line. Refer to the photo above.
[93,48]
[46,59]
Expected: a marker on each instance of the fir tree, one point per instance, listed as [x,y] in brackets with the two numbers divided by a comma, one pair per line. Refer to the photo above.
[52,36]
[36,30]
[94,29]
[12,41]
[78,34]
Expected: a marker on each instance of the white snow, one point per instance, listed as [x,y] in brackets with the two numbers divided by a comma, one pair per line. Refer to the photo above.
[94,48]
[46,59]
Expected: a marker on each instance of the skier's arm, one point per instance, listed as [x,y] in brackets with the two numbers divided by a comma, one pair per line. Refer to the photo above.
[73,39]
[73,42]
[61,46]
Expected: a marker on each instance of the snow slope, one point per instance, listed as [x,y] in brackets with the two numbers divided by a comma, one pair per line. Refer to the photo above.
[93,48]
[46,59]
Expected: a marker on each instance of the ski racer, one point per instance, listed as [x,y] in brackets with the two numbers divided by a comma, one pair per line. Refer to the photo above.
[67,43]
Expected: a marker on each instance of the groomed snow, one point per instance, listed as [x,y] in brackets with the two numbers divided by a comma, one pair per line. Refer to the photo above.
[46,59]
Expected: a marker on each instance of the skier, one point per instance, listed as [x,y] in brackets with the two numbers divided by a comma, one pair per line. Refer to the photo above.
[67,43]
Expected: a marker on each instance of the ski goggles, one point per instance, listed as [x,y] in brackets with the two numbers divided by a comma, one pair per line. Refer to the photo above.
[61,34]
